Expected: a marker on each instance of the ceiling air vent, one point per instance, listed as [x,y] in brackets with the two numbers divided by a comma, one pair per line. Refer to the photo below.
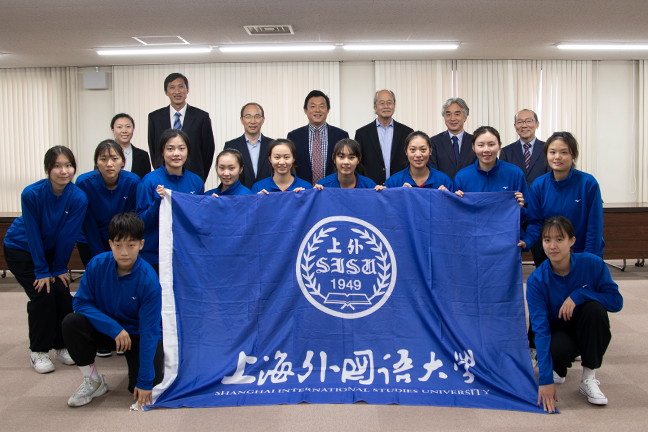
[160,40]
[269,30]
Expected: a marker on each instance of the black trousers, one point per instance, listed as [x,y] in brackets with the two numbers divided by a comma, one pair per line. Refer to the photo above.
[587,334]
[83,341]
[45,311]
[86,254]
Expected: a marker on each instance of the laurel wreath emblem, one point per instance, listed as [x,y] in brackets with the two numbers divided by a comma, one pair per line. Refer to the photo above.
[310,281]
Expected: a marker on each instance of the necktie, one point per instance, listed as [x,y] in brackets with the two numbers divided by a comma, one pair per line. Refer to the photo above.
[176,123]
[527,155]
[455,147]
[318,166]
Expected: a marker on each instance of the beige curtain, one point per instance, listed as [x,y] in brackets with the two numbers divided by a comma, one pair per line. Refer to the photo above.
[642,131]
[39,112]
[223,88]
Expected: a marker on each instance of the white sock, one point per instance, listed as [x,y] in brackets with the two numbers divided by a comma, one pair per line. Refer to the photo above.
[90,371]
[588,373]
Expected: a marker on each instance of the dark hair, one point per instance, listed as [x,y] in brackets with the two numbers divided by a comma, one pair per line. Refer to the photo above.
[561,223]
[354,149]
[290,145]
[124,226]
[174,76]
[255,104]
[418,134]
[481,130]
[568,139]
[106,146]
[535,116]
[53,153]
[239,157]
[317,93]
[168,135]
[121,115]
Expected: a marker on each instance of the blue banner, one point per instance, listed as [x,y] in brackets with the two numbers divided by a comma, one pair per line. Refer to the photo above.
[404,296]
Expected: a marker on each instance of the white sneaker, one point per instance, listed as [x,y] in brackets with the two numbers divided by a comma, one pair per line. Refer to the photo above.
[63,356]
[87,391]
[120,353]
[534,357]
[590,388]
[41,362]
[558,379]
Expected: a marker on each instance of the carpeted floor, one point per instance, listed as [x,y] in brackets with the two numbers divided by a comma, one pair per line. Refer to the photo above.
[29,401]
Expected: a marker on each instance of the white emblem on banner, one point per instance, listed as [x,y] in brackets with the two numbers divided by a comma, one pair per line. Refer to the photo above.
[346,267]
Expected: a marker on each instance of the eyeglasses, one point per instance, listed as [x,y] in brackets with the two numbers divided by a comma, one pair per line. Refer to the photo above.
[528,122]
[250,117]
[385,103]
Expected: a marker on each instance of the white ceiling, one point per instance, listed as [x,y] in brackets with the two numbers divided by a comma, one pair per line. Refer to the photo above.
[64,32]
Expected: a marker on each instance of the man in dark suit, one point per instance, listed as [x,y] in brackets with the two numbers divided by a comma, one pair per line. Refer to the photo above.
[383,140]
[527,153]
[452,149]
[316,140]
[135,160]
[252,145]
[191,120]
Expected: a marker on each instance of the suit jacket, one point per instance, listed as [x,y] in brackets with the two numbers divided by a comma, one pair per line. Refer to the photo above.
[372,157]
[443,157]
[197,125]
[304,166]
[141,163]
[263,168]
[538,165]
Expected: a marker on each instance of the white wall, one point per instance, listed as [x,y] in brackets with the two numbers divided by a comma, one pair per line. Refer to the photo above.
[612,155]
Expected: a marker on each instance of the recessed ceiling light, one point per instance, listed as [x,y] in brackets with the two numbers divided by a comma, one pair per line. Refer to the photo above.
[274,48]
[603,47]
[194,49]
[400,47]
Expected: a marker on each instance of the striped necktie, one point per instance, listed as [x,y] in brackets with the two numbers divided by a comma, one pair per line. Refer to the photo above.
[318,165]
[527,155]
[176,123]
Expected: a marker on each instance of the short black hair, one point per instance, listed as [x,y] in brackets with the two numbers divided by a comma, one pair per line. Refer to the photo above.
[568,139]
[239,157]
[256,105]
[106,146]
[166,136]
[354,149]
[53,153]
[118,116]
[125,226]
[291,146]
[317,93]
[174,76]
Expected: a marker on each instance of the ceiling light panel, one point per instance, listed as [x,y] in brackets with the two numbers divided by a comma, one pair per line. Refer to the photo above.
[160,40]
[401,47]
[274,48]
[603,47]
[191,49]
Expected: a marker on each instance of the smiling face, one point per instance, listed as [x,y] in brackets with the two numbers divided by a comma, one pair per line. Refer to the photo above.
[385,105]
[252,120]
[346,161]
[109,165]
[526,125]
[125,252]
[175,153]
[177,92]
[316,111]
[454,118]
[418,152]
[559,157]
[228,170]
[61,173]
[557,244]
[282,159]
[486,147]
[123,130]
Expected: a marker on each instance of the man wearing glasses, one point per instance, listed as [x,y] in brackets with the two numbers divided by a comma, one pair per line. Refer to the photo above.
[252,145]
[383,140]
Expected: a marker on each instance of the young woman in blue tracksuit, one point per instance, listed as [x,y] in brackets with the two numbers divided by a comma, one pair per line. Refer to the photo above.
[282,155]
[566,192]
[229,167]
[110,190]
[419,173]
[37,248]
[490,174]
[175,149]
[347,157]
[569,297]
